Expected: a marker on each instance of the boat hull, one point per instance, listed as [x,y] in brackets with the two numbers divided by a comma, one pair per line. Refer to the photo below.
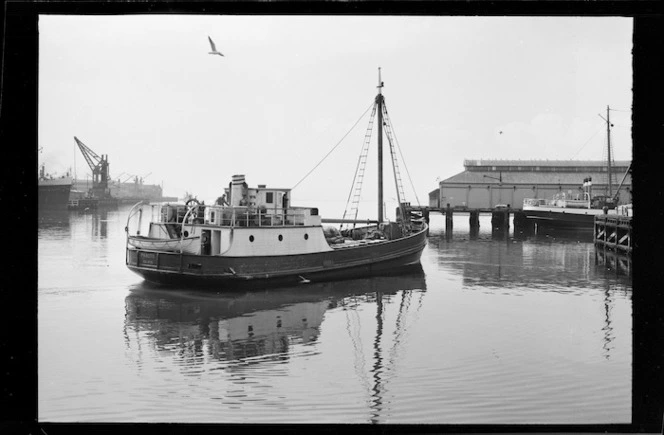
[53,195]
[393,256]
[563,218]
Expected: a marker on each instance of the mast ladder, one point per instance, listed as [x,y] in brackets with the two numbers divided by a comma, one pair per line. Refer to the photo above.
[356,188]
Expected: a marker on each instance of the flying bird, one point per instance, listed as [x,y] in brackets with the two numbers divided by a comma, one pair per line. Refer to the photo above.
[214,49]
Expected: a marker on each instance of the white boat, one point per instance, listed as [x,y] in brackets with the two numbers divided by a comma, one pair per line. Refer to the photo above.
[257,235]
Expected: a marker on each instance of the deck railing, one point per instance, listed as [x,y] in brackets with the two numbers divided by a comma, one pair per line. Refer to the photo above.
[229,216]
[572,203]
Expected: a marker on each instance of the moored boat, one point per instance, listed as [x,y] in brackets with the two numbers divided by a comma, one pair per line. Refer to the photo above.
[567,211]
[255,235]
[53,192]
[560,212]
[578,211]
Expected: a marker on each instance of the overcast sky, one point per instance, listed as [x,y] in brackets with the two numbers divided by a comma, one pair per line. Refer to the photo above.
[144,90]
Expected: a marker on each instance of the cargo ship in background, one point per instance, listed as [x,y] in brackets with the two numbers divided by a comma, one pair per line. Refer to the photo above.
[53,192]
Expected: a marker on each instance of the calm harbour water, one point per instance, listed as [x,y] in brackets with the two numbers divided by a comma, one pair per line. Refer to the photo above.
[517,329]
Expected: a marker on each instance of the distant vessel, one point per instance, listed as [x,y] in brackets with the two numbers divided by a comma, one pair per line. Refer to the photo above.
[53,192]
[577,211]
[563,211]
[256,235]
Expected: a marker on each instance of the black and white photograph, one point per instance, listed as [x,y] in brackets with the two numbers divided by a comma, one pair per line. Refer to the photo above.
[336,219]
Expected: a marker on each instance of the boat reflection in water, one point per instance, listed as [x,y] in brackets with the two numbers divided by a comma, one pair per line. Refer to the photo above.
[252,327]
[53,220]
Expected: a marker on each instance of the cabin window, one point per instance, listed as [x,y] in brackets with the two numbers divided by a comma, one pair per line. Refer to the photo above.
[306,237]
[269,197]
[281,237]
[251,238]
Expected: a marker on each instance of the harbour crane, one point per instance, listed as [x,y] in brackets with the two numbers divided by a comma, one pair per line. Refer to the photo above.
[99,167]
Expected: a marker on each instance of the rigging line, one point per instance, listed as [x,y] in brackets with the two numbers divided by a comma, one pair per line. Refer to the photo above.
[357,181]
[330,152]
[412,185]
[586,143]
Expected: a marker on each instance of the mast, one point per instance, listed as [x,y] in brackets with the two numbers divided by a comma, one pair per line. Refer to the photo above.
[379,103]
[608,145]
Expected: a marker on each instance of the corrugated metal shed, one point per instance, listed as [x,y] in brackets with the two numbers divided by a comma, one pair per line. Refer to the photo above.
[485,183]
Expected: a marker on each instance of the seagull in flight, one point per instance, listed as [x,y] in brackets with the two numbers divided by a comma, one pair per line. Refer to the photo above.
[214,49]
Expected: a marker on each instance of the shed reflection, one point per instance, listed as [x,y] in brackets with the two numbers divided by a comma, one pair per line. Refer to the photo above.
[539,262]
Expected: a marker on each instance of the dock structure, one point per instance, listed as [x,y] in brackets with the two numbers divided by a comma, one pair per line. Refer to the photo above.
[614,233]
[500,216]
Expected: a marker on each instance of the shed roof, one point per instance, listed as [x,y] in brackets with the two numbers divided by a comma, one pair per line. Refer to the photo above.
[534,178]
[543,163]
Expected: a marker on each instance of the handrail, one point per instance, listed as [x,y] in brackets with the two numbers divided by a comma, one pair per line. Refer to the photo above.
[129,216]
[184,220]
[131,211]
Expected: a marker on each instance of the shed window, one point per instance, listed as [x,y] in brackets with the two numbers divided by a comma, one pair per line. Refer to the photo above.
[269,197]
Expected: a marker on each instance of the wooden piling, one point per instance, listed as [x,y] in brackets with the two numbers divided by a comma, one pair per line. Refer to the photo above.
[500,219]
[474,219]
[614,232]
[425,215]
[448,219]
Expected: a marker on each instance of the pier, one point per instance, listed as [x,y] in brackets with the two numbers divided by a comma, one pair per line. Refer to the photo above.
[500,216]
[614,233]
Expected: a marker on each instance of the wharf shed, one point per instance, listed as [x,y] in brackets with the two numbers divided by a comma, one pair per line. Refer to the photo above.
[487,183]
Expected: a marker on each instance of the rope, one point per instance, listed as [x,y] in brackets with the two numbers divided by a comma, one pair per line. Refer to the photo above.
[412,185]
[333,148]
[586,143]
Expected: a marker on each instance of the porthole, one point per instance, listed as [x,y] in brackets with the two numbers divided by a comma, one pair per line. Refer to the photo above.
[251,238]
[306,237]
[186,233]
[281,237]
